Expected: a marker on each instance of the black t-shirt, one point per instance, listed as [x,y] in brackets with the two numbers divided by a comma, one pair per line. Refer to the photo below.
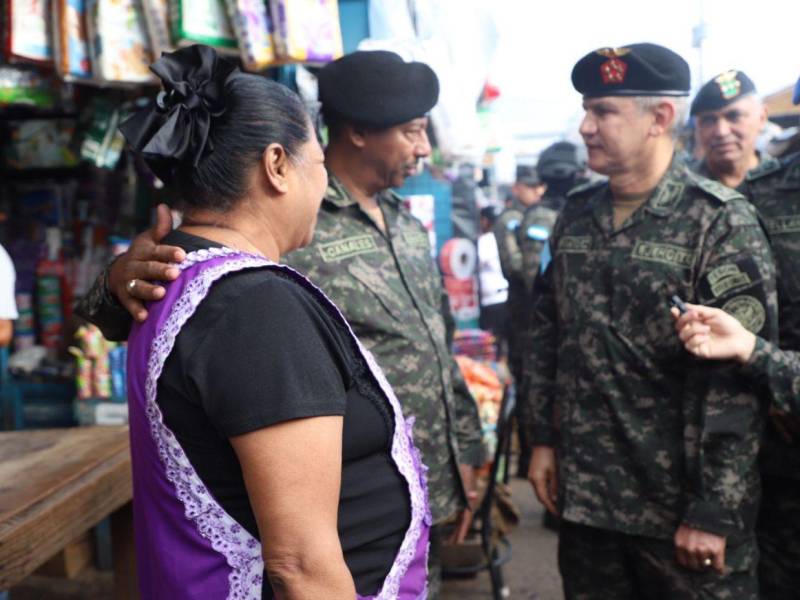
[261,349]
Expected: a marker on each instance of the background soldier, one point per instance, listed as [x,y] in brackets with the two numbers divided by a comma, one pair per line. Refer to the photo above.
[527,190]
[556,169]
[656,451]
[774,189]
[373,259]
[729,117]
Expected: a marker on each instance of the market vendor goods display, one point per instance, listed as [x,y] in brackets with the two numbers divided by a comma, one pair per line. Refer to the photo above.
[112,42]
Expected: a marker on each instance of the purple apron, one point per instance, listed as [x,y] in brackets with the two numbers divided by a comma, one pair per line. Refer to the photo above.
[187,546]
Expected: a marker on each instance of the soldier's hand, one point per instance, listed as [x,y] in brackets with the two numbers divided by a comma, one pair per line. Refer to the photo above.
[699,550]
[145,261]
[469,478]
[543,475]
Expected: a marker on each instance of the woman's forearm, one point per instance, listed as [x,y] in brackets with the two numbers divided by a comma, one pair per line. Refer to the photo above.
[312,575]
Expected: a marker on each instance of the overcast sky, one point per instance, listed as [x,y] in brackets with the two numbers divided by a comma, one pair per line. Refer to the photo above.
[541,41]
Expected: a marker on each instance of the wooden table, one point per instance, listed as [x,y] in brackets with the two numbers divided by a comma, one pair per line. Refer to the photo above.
[56,484]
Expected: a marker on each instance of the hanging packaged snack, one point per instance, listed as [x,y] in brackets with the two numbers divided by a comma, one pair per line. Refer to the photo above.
[27,31]
[119,47]
[156,17]
[251,22]
[202,22]
[307,31]
[70,44]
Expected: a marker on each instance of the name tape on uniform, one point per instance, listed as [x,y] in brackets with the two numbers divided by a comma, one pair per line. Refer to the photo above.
[347,247]
[667,254]
[571,244]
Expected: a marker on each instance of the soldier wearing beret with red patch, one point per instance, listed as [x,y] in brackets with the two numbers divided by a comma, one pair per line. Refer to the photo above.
[648,455]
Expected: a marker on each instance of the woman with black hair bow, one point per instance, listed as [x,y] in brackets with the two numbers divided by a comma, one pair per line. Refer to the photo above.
[264,438]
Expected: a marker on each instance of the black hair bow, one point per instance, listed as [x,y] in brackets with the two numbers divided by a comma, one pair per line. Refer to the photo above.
[175,128]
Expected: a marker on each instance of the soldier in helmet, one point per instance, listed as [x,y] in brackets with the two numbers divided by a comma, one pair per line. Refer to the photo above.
[556,170]
[527,190]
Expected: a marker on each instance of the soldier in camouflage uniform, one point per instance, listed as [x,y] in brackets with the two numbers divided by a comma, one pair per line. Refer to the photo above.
[649,455]
[527,191]
[774,189]
[556,170]
[728,117]
[373,259]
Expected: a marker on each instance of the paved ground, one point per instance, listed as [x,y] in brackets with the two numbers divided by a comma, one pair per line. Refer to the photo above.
[531,575]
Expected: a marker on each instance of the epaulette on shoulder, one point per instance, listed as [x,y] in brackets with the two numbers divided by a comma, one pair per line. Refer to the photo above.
[584,188]
[766,167]
[714,188]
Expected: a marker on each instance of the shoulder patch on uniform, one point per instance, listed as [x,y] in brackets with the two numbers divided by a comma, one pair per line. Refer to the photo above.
[766,167]
[714,188]
[748,311]
[581,190]
[537,232]
[512,224]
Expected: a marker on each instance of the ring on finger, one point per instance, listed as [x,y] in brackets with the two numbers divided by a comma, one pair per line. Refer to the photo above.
[131,285]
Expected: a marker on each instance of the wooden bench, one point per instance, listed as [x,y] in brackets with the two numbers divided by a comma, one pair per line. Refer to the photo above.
[56,484]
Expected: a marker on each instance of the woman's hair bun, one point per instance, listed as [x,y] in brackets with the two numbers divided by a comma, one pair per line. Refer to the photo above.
[174,129]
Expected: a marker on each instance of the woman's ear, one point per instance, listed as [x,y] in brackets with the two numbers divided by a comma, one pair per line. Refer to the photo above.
[275,163]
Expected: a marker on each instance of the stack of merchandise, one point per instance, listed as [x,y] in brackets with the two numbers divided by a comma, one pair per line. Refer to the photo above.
[112,42]
[475,343]
[486,382]
[100,379]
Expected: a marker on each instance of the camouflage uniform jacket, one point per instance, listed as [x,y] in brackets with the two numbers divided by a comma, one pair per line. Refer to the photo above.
[506,229]
[647,437]
[389,290]
[774,189]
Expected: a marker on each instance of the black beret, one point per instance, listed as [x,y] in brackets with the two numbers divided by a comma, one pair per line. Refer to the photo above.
[558,161]
[527,175]
[635,70]
[377,88]
[722,90]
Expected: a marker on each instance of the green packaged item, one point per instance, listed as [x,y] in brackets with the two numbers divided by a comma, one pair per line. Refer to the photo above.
[202,22]
[23,87]
[103,143]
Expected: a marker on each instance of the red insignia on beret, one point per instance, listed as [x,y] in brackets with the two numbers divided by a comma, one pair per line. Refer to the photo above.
[613,71]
